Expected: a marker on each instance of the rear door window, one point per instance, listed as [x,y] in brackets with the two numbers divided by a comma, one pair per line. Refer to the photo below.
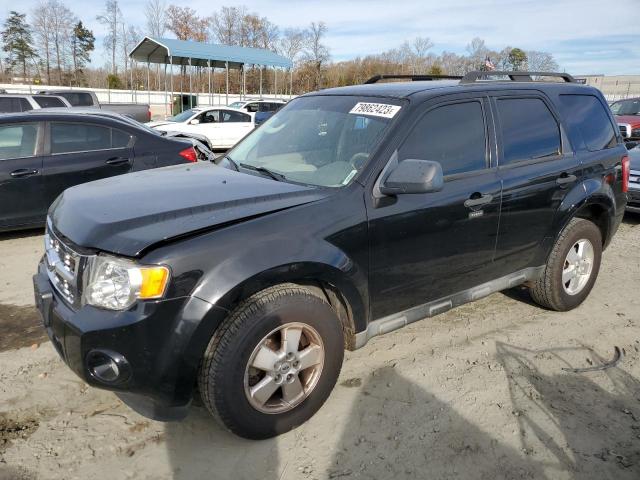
[77,137]
[18,140]
[120,139]
[229,116]
[529,130]
[48,101]
[453,135]
[587,119]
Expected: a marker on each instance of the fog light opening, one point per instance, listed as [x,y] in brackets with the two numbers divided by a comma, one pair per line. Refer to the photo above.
[107,367]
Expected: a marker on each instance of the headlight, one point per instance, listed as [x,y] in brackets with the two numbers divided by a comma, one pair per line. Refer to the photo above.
[115,283]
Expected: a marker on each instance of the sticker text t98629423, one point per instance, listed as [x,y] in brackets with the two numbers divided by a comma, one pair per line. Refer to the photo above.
[375,109]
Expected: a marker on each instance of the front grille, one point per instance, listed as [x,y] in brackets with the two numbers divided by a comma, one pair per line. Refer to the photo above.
[64,267]
[634,178]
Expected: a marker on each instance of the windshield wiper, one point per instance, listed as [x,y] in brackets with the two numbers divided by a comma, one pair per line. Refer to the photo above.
[275,175]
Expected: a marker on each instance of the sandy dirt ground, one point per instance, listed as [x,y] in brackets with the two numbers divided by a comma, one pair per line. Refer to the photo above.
[480,392]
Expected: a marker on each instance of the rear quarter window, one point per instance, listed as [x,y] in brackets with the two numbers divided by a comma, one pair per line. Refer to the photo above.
[46,101]
[588,121]
[528,128]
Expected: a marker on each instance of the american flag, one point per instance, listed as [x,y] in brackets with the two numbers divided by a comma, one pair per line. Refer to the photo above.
[488,64]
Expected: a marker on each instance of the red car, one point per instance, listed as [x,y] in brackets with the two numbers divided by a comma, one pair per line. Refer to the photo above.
[627,113]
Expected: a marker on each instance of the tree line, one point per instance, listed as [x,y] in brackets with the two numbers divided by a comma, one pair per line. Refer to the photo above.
[52,45]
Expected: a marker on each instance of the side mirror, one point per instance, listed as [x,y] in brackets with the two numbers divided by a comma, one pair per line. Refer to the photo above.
[413,176]
[195,121]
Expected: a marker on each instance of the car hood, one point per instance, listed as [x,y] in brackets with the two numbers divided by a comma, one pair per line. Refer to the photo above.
[129,213]
[634,120]
[159,123]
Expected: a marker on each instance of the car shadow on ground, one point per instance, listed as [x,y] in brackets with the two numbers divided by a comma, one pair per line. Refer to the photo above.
[567,426]
[584,430]
[631,218]
[395,430]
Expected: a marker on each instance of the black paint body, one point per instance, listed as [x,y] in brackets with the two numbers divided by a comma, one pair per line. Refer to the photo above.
[226,235]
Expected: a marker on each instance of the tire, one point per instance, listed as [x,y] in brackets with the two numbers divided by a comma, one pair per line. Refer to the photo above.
[549,290]
[226,382]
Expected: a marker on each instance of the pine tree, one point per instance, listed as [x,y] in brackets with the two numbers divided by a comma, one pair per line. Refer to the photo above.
[82,44]
[17,42]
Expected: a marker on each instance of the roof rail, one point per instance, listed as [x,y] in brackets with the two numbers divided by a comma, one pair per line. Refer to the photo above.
[413,78]
[473,77]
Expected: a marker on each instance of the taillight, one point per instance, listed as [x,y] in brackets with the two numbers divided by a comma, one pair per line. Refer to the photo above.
[189,154]
[149,115]
[626,167]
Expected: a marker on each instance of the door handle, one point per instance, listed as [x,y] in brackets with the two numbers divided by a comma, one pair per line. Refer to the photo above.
[117,161]
[477,200]
[23,172]
[565,178]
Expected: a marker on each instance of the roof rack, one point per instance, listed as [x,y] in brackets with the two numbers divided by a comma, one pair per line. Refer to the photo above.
[476,76]
[413,78]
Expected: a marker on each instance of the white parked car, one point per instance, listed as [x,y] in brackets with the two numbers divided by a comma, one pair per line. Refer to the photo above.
[222,126]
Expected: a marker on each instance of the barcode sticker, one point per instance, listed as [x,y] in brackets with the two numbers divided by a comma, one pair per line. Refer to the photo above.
[375,109]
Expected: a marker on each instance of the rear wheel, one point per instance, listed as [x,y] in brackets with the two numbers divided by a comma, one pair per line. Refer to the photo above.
[572,267]
[273,362]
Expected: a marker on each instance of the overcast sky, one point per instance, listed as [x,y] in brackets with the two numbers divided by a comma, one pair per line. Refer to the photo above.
[585,36]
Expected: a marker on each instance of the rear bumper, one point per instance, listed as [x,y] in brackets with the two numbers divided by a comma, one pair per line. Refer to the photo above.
[152,342]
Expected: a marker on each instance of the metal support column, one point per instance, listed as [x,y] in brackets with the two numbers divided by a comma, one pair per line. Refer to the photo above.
[226,65]
[190,85]
[210,97]
[131,84]
[275,81]
[290,83]
[244,81]
[166,106]
[149,83]
[260,82]
[171,82]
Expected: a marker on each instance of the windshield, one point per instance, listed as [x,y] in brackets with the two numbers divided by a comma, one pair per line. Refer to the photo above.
[319,140]
[237,105]
[184,116]
[626,107]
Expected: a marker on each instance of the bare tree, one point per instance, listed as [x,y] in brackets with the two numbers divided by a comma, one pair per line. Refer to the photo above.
[541,62]
[419,48]
[43,30]
[316,53]
[292,43]
[155,13]
[478,53]
[111,19]
[62,21]
[185,23]
[226,25]
[129,38]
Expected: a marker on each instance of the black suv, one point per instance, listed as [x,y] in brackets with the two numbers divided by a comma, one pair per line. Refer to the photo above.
[350,213]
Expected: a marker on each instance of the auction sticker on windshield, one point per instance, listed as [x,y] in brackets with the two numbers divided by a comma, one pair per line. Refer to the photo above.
[375,109]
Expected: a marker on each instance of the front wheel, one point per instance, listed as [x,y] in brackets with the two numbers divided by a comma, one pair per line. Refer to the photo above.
[572,267]
[273,363]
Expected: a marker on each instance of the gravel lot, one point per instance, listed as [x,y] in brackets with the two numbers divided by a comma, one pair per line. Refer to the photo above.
[477,393]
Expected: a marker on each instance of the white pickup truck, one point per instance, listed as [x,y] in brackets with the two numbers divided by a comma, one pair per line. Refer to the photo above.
[86,98]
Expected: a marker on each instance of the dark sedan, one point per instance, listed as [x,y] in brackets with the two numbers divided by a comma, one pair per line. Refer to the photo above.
[42,154]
